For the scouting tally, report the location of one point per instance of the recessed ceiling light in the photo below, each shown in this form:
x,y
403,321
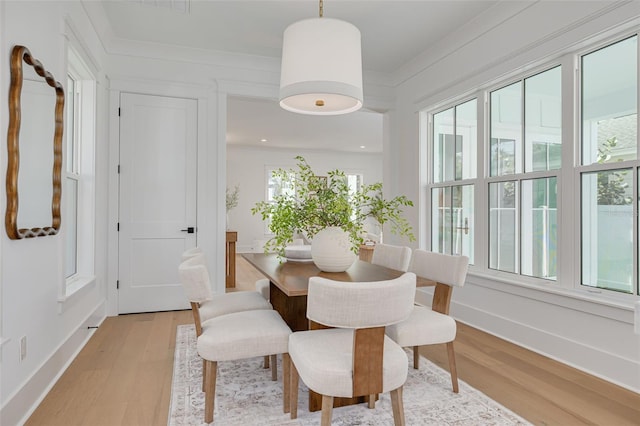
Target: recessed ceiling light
x,y
362,146
183,6
263,140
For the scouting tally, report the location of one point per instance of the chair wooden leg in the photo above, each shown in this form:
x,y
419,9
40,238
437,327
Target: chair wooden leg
x,y
452,366
416,357
293,391
286,382
266,362
274,367
327,410
210,394
204,375
372,401
397,406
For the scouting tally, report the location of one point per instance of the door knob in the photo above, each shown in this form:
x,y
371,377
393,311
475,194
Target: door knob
x,y
189,230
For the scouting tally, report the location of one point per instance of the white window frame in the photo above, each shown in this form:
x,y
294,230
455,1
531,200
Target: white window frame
x,y
568,279
268,175
520,175
448,184
83,172
581,169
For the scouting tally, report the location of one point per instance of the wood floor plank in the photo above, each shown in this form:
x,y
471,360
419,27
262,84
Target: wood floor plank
x,y
123,376
542,390
513,395
540,380
246,275
143,405
103,413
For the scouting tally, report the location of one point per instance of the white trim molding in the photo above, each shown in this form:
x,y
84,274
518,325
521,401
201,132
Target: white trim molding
x,y
589,335
25,400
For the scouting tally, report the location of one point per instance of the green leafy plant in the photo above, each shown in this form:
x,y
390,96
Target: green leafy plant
x,y
319,202
232,197
372,204
612,185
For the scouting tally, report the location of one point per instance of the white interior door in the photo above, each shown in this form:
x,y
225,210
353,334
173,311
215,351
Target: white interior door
x,y
157,217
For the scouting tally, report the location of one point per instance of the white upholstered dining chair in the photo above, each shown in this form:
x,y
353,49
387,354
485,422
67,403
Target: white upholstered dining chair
x,y
205,305
297,250
234,336
433,325
189,253
210,305
263,286
354,358
393,257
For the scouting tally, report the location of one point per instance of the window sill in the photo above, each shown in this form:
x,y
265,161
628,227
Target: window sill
x,y
601,304
74,288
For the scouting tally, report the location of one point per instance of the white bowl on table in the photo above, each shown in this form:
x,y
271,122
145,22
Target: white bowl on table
x,y
298,253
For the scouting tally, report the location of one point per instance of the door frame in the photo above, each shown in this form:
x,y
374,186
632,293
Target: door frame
x,y
211,175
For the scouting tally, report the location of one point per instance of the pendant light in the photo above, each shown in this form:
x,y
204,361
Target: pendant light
x,y
321,71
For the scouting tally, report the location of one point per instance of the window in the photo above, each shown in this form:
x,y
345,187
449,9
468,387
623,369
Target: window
x,y
71,178
454,145
527,174
525,139
79,184
609,145
277,186
452,218
354,181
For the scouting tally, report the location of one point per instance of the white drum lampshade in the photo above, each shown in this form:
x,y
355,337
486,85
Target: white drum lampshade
x,y
321,70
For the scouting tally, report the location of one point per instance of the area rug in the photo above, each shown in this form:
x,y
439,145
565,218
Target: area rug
x,y
245,395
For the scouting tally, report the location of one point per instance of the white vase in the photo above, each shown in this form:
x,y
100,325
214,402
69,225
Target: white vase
x,y
331,250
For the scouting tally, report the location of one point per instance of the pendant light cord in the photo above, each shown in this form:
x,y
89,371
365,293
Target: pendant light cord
x,y
321,11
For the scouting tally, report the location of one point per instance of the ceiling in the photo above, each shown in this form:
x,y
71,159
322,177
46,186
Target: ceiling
x,y
249,121
393,33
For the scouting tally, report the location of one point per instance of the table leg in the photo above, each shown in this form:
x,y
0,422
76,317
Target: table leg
x,y
315,401
293,310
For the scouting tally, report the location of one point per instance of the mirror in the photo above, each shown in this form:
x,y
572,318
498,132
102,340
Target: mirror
x,y
35,131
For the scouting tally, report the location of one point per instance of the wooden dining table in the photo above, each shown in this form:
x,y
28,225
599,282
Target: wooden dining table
x,y
289,283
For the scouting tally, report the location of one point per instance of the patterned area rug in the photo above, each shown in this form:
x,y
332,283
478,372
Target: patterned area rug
x,y
245,395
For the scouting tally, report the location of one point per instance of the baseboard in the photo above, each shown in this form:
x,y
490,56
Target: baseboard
x,y
594,361
244,249
25,400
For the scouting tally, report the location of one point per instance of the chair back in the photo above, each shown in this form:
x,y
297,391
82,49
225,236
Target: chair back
x,y
195,279
360,304
188,254
442,268
393,257
446,270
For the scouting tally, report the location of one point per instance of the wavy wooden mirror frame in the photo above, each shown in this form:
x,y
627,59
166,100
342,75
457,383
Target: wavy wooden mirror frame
x,y
18,54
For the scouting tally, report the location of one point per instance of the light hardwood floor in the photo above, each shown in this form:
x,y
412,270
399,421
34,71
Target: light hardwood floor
x,y
123,377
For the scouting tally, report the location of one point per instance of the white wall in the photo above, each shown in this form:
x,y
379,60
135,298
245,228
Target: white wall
x,y
32,275
589,333
246,167
33,270
597,338
209,77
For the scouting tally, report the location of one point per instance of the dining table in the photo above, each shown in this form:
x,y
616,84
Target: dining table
x,y
289,283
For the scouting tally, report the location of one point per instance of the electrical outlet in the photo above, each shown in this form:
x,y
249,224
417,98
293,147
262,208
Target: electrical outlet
x,y
23,348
